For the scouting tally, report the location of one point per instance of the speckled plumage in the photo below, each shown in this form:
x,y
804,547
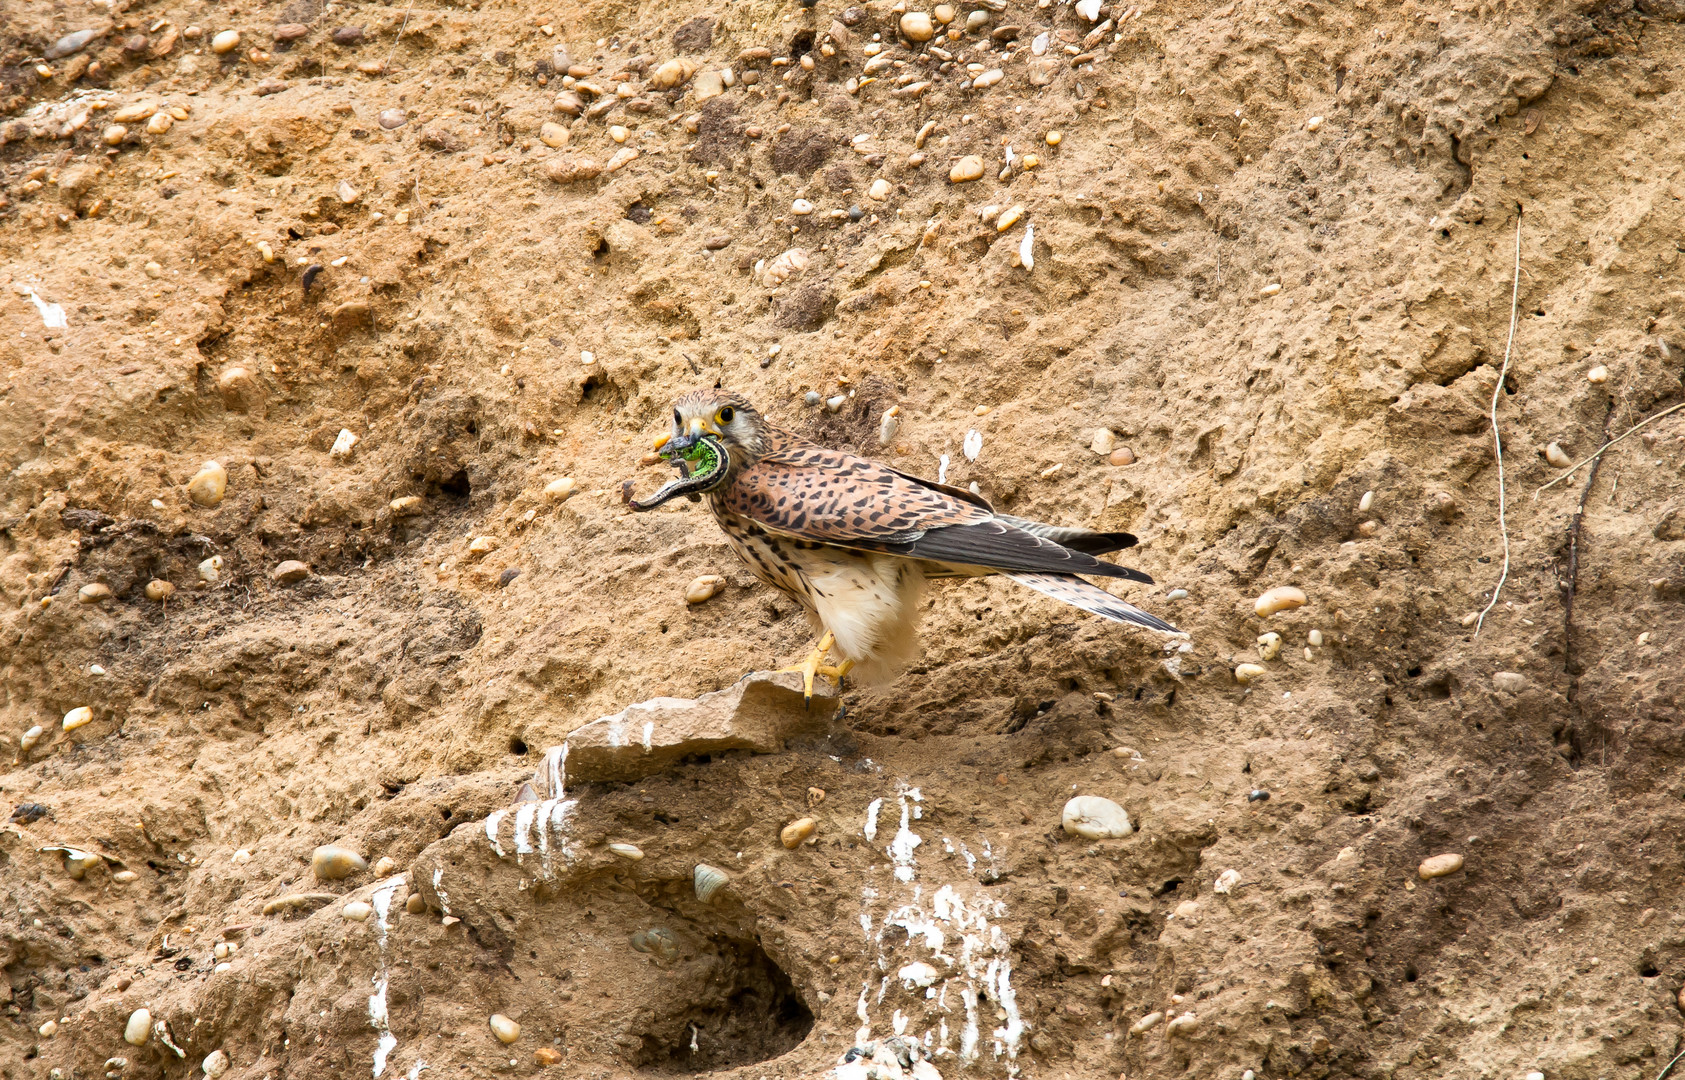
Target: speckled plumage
x,y
853,539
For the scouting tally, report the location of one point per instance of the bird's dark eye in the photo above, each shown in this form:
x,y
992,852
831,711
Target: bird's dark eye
x,y
726,415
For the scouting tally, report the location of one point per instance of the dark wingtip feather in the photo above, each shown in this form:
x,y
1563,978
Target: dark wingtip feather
x,y
1099,543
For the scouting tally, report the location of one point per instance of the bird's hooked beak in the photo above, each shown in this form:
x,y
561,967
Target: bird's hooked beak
x,y
694,430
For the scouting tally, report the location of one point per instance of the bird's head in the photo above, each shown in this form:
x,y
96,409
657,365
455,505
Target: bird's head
x,y
714,433
724,415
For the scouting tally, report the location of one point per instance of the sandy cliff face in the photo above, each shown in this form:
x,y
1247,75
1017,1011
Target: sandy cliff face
x,y
1273,255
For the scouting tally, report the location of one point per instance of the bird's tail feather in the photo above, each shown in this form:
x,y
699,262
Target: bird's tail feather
x,y
1079,593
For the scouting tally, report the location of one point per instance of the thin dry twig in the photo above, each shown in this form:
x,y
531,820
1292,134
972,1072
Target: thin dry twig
x,y
1607,445
1571,575
1497,439
402,27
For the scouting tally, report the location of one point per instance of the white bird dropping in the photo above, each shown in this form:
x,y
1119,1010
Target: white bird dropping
x,y
1026,248
973,444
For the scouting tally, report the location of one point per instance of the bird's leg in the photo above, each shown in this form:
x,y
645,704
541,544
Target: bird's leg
x,y
815,665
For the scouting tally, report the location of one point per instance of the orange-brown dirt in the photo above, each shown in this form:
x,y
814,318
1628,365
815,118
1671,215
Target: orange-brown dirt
x,y
1275,314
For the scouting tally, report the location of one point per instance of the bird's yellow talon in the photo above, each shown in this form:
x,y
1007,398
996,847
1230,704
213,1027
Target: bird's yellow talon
x,y
815,666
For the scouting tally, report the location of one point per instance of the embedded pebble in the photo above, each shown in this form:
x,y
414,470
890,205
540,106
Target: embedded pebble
x,y
1176,594
1314,638
797,831
1440,865
1598,374
506,1030
139,1027
49,1029
481,546
703,588
560,490
225,42
78,717
331,862
240,390
618,134
1104,442
801,208
1509,681
879,189
159,123
114,135
240,857
658,940
406,505
1009,219
1146,1023
128,114
1558,456
1364,504
917,26
1226,881
384,866
290,571
812,398
216,1063
71,43
567,169
1123,455
210,570
416,904
356,911
1271,289
159,590
1186,1025
553,135
988,78
391,119
1094,818
889,425
627,851
224,949
544,1057
1269,645
123,877
708,881
977,20
1280,598
966,169
1053,138
945,13
1245,673
95,593
27,741
918,974
1313,123
343,444
833,404
209,484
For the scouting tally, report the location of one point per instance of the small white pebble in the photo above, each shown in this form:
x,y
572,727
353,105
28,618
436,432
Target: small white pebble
x,y
1598,374
1314,638
1313,123
1272,288
1366,502
1176,594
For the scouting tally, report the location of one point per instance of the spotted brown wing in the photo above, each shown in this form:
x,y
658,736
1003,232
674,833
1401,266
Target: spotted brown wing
x,y
827,496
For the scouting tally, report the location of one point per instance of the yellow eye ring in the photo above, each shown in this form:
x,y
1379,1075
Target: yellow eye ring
x,y
726,415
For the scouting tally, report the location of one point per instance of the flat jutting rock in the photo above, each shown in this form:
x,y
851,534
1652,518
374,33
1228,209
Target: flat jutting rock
x,y
756,713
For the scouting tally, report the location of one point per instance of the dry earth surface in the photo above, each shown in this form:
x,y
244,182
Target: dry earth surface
x,y
1272,256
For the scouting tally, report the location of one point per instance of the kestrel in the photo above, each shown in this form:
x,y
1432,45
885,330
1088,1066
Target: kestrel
x,y
853,540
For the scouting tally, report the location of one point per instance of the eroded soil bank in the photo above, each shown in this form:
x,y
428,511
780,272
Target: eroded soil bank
x,y
1273,253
